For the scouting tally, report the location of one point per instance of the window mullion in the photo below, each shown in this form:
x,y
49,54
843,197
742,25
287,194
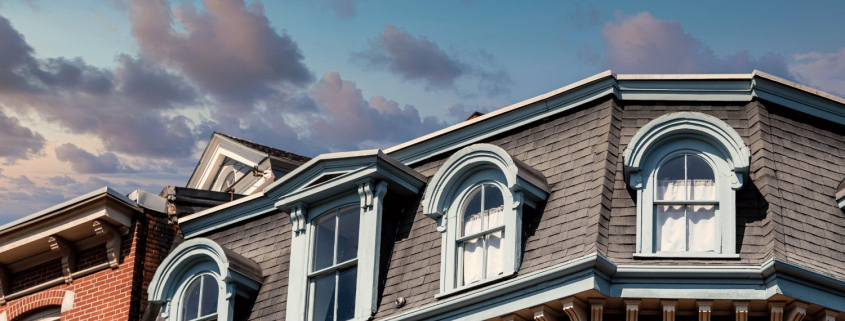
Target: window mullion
x,y
336,232
484,257
336,291
199,304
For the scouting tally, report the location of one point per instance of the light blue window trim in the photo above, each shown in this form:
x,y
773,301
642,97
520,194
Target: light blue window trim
x,y
193,274
448,190
694,134
369,198
234,274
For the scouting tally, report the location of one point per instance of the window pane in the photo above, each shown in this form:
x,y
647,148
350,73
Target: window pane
x,y
495,254
493,206
190,306
700,179
347,234
324,298
472,213
473,260
209,296
671,229
346,294
324,242
670,179
702,228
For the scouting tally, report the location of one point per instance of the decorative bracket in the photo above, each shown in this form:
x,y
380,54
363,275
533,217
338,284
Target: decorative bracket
x,y
4,284
68,256
113,243
776,310
668,309
597,309
545,313
705,310
797,311
574,308
297,216
632,310
741,308
518,199
513,317
365,190
826,315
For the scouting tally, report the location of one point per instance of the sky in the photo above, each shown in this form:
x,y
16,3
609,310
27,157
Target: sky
x,y
126,93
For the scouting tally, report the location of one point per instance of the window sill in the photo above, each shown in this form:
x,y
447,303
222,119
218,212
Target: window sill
x,y
685,255
473,286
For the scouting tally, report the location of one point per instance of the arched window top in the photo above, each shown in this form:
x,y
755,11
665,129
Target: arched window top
x,y
693,126
518,177
189,268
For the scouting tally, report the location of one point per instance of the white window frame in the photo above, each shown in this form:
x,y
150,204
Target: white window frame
x,y
369,198
686,133
193,274
448,189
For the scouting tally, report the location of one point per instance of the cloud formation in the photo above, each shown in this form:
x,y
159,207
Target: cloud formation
x,y
16,141
825,71
645,44
85,162
228,49
419,59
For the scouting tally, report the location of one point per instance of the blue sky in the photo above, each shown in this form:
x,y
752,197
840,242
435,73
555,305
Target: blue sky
x,y
126,93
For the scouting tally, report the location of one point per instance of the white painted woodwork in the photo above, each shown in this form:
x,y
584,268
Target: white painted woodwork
x,y
776,310
668,309
112,237
545,313
796,311
596,309
574,308
632,310
826,315
741,310
68,253
705,310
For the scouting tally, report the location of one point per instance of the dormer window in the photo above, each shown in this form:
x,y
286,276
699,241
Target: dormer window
x,y
686,168
477,198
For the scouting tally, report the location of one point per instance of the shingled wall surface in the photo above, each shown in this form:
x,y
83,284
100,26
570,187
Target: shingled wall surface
x,y
572,150
265,240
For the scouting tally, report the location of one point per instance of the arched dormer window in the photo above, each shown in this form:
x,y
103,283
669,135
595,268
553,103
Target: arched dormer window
x,y
200,280
477,199
686,168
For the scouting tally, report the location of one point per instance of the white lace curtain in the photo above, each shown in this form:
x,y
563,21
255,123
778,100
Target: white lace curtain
x,y
473,259
686,227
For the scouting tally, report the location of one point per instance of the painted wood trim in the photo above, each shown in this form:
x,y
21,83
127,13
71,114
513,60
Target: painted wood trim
x,y
574,308
597,308
4,284
545,313
669,309
68,254
776,310
705,310
632,310
741,310
113,241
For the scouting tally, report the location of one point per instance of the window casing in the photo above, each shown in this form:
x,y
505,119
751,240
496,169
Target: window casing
x,y
686,168
334,265
477,199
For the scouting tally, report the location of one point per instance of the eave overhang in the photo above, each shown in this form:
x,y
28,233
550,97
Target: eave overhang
x,y
681,87
594,272
304,185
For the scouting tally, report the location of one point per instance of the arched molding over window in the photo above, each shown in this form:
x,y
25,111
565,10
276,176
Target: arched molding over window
x,y
519,177
235,275
477,198
686,168
682,125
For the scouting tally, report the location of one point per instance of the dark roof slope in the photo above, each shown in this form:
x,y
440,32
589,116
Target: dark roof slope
x,y
285,155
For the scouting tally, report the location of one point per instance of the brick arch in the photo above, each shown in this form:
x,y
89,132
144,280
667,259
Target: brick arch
x,y
36,301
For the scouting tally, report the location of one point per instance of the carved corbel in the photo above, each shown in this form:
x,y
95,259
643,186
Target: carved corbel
x,y
797,311
545,313
365,190
113,241
668,309
776,310
574,308
705,310
741,308
518,200
4,284
825,315
632,310
68,253
297,216
597,309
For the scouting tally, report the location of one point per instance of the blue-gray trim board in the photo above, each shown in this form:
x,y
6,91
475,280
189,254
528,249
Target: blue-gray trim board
x,y
595,272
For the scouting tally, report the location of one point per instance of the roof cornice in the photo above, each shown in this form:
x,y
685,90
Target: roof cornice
x,y
625,87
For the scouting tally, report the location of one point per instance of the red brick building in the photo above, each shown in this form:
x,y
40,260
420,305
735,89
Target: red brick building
x,y
90,258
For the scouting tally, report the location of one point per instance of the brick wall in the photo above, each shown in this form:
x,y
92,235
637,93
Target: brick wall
x,y
110,294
